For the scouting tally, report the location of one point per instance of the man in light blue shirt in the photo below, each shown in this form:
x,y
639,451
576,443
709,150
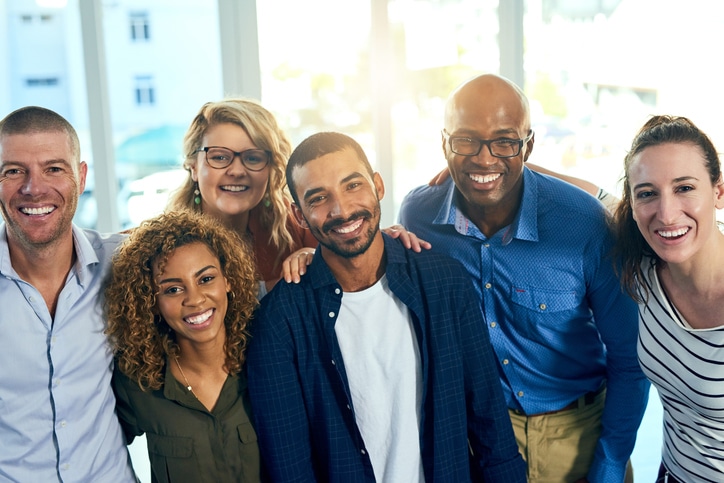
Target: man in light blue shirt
x,y
538,251
57,409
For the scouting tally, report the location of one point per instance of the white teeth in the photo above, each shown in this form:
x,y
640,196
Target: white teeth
x,y
350,228
234,188
674,233
484,178
37,211
199,319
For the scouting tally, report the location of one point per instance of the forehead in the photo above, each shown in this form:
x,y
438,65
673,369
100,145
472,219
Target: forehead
x,y
669,160
488,110
36,147
328,170
192,256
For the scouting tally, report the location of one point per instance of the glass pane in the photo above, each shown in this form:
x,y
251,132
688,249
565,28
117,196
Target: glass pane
x,y
158,77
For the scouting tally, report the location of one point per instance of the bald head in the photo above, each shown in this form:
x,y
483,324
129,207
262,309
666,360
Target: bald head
x,y
488,96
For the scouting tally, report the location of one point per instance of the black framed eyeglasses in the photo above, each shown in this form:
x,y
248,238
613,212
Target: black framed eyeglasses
x,y
499,148
218,157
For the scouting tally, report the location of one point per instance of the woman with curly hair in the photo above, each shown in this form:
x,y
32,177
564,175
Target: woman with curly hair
x,y
179,298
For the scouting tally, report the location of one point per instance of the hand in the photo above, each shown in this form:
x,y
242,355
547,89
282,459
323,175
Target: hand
x,y
295,265
409,240
440,177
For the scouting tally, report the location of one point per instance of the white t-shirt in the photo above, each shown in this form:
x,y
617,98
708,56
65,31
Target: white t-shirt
x,y
382,361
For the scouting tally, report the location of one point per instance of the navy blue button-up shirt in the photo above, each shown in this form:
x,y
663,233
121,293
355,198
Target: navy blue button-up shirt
x,y
300,395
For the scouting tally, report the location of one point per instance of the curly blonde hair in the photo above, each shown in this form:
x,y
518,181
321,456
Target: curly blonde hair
x,y
142,341
265,133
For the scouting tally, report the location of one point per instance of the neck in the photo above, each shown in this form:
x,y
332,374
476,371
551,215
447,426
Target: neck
x,y
238,223
490,219
360,272
702,273
45,268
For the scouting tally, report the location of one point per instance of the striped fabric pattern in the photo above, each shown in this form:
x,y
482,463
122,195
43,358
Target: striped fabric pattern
x,y
687,367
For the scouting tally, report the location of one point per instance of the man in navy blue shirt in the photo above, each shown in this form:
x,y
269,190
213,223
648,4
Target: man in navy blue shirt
x,y
537,250
377,365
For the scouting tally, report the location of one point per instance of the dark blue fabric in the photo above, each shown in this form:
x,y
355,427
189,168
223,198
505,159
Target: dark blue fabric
x,y
300,396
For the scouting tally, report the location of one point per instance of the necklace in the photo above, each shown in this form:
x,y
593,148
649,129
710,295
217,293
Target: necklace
x,y
188,386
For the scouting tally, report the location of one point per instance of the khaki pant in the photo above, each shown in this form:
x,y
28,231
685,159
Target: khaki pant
x,y
559,447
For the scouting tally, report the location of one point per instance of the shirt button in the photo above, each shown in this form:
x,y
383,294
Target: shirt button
x,y
63,424
336,290
487,245
31,299
363,452
334,363
493,325
488,285
542,306
505,362
349,407
331,314
520,393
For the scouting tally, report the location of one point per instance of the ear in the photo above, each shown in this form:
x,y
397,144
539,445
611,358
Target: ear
x,y
194,174
719,194
228,285
444,144
82,173
529,147
379,185
299,216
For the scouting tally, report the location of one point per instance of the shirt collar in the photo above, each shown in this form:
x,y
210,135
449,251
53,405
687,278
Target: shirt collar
x,y
86,255
320,275
523,227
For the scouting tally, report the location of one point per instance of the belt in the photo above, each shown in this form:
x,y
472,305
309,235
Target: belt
x,y
585,400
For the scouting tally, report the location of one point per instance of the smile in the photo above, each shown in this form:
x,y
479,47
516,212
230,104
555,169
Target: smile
x,y
349,228
673,233
484,178
234,188
37,211
199,319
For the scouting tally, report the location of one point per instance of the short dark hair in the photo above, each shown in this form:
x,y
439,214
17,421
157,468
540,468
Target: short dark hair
x,y
318,145
34,119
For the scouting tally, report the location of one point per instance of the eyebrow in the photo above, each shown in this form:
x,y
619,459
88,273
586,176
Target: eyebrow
x,y
312,191
675,180
48,162
172,280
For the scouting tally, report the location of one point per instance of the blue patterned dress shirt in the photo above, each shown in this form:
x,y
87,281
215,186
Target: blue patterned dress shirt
x,y
559,323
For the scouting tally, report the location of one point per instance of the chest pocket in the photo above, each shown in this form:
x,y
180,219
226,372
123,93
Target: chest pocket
x,y
536,310
172,458
246,432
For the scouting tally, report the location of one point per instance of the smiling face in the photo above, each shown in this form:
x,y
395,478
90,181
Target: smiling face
x,y
230,192
674,203
192,294
339,201
40,183
488,108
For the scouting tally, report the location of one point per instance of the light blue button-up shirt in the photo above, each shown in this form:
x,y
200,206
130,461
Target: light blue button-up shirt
x,y
57,409
558,321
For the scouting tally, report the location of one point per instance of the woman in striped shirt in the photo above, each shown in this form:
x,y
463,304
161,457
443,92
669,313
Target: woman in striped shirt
x,y
672,262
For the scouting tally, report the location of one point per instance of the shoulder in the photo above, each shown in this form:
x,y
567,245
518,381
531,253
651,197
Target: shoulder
x,y
91,243
424,202
428,268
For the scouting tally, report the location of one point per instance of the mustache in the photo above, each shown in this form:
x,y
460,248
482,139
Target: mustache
x,y
337,222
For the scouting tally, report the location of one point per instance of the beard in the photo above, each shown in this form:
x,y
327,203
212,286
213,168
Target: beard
x,y
354,247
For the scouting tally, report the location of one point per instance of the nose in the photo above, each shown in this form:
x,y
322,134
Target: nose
x,y
339,208
236,168
33,184
668,208
194,296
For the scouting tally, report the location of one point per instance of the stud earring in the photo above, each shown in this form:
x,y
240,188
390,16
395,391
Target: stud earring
x,y
197,195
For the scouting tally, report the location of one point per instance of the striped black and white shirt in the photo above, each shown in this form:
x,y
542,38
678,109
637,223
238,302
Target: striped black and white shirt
x,y
687,367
